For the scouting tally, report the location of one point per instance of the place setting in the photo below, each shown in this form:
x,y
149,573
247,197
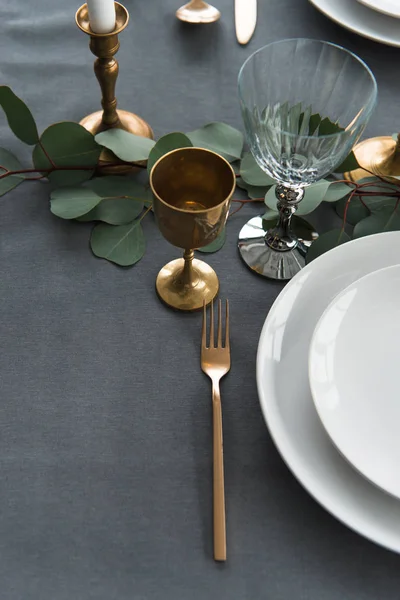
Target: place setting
x,y
205,300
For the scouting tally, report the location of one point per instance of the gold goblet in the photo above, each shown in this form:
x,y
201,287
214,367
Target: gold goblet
x,y
192,189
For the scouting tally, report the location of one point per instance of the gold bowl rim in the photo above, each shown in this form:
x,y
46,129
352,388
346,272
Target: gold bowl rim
x,y
184,210
121,16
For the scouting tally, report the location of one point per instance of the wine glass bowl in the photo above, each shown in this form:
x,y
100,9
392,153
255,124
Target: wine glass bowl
x,y
192,189
304,103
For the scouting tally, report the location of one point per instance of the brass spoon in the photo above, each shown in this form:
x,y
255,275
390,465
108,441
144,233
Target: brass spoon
x,y
198,11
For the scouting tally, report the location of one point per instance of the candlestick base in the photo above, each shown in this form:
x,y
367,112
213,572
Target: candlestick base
x,y
129,122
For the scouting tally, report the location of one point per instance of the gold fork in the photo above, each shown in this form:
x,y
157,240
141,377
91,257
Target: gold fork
x,y
216,362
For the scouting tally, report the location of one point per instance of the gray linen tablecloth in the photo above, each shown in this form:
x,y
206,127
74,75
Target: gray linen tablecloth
x,y
105,416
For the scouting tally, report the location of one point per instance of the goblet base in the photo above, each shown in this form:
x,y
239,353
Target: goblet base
x,y
184,296
264,260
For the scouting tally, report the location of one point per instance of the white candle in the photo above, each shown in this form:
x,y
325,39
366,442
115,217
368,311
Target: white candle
x,y
101,15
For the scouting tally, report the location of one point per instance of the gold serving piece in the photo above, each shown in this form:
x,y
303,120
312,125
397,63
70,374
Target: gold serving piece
x,y
380,155
198,11
192,189
216,362
105,46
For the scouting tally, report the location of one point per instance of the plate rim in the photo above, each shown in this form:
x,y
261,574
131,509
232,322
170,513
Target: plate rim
x,y
332,14
278,433
321,413
377,8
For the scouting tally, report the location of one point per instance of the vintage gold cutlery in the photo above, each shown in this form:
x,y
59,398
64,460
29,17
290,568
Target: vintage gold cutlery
x,y
216,362
198,11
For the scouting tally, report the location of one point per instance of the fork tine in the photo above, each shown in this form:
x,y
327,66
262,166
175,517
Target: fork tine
x,y
219,342
212,324
227,325
204,327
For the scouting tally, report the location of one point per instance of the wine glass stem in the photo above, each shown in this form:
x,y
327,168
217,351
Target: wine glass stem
x,y
281,237
187,276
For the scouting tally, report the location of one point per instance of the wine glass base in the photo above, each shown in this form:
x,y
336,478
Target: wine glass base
x,y
187,297
280,265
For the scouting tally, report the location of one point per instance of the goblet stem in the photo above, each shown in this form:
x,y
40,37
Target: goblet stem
x,y
187,276
281,237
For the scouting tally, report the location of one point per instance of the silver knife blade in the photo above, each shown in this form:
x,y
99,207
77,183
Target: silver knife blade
x,y
245,19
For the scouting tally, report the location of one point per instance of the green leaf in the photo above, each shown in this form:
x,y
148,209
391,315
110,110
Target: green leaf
x,y
122,244
349,164
315,120
395,136
314,195
326,242
115,211
219,137
165,144
69,145
70,203
216,244
270,215
10,163
356,211
328,127
19,116
251,173
115,186
384,220
125,145
335,191
253,191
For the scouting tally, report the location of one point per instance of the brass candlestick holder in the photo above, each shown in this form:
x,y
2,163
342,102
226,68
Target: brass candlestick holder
x,y
380,155
105,46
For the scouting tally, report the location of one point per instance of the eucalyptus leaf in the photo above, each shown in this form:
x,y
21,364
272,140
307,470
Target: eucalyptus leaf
x,y
219,137
313,197
395,136
69,145
19,116
251,173
336,191
125,145
165,144
122,244
270,215
253,191
9,162
115,211
70,203
349,164
216,244
383,220
117,186
326,242
356,211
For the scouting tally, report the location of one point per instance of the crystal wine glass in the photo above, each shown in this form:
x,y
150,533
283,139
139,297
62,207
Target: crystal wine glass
x,y
304,104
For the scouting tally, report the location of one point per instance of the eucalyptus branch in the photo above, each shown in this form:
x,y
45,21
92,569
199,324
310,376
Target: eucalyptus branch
x,y
49,170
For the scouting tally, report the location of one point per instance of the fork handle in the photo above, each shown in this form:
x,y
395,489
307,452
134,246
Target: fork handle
x,y
218,477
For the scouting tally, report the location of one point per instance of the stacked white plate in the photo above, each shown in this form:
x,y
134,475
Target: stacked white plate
x,y
327,382
374,19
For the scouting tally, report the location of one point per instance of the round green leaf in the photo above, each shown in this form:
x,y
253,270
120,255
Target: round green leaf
x,y
69,145
165,144
122,244
335,191
270,215
19,116
349,164
253,191
10,163
356,211
395,136
326,242
383,220
117,186
70,203
115,211
251,172
219,137
216,244
125,145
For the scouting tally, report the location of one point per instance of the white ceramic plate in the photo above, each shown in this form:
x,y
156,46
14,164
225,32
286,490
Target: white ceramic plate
x,y
353,372
388,7
285,396
362,20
